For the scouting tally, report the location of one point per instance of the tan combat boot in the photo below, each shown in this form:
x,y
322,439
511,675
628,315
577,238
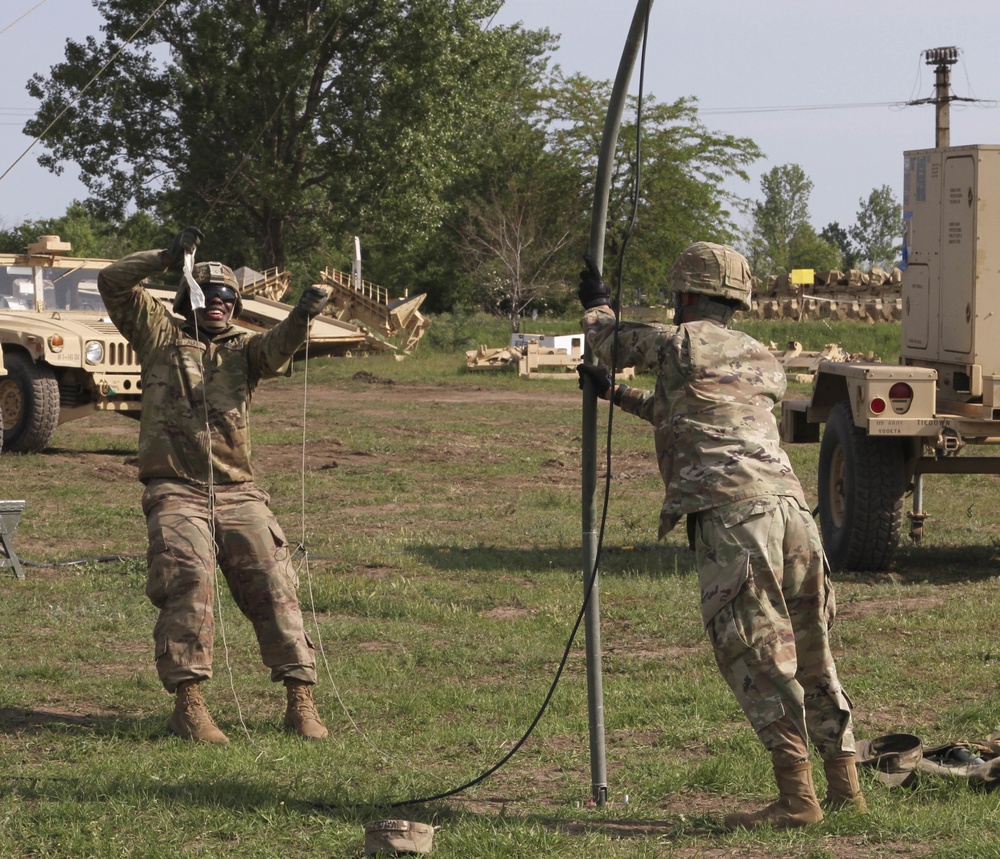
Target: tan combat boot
x,y
796,805
302,715
843,789
190,719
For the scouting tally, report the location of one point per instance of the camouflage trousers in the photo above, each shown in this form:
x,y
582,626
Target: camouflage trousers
x,y
767,605
187,537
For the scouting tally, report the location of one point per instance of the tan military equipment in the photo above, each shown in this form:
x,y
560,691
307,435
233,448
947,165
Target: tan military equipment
x,y
857,296
887,426
370,305
64,357
538,356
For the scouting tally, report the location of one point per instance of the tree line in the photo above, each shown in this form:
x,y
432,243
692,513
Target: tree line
x,y
782,238
459,152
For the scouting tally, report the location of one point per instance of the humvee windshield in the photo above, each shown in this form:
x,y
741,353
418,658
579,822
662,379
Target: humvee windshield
x,y
64,289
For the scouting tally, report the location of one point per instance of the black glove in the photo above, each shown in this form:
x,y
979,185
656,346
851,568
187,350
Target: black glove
x,y
186,240
599,377
593,290
313,300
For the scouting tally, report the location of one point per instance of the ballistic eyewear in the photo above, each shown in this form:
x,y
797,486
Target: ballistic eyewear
x,y
226,293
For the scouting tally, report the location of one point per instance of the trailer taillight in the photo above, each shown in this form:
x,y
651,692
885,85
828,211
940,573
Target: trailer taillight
x,y
901,397
876,405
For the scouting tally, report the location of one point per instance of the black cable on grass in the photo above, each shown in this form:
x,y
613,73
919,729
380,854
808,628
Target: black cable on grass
x,y
607,478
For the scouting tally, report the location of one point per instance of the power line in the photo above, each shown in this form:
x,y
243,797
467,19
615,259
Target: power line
x,y
720,111
22,17
87,86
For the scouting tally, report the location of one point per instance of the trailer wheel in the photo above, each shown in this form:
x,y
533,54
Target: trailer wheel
x,y
861,487
29,401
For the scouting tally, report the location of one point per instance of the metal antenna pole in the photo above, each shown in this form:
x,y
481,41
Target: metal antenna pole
x,y
599,216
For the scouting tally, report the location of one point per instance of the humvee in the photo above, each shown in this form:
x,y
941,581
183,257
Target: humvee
x,y
63,356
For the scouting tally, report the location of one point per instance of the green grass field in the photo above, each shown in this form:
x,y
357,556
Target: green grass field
x,y
441,511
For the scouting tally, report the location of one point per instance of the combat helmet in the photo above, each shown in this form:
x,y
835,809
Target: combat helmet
x,y
204,274
717,271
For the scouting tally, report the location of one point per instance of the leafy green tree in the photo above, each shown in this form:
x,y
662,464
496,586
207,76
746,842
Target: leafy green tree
x,y
809,250
878,232
284,127
837,236
682,176
778,218
88,234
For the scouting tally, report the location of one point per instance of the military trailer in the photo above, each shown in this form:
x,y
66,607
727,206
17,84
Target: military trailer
x,y
63,356
887,426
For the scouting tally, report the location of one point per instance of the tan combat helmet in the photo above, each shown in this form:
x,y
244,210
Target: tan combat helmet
x,y
717,271
204,274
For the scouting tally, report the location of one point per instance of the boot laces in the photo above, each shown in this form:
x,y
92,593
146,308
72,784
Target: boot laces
x,y
302,703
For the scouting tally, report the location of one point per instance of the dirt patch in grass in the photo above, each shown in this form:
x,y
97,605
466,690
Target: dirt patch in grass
x,y
888,607
506,612
15,719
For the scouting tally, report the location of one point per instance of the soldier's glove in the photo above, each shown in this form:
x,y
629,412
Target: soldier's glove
x,y
593,290
184,242
313,300
599,377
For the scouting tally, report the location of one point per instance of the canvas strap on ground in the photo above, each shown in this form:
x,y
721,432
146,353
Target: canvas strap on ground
x,y
389,837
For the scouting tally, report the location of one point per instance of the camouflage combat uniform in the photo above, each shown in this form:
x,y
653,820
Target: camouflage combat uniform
x,y
194,458
765,597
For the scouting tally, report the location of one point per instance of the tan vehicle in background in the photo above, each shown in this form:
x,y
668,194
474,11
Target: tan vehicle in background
x,y
63,356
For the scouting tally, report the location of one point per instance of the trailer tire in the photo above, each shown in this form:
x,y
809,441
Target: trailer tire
x,y
862,480
29,399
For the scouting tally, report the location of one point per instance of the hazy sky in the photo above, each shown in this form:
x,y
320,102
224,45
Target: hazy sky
x,y
853,62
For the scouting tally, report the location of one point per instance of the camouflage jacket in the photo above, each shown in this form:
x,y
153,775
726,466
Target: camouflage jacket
x,y
195,393
715,434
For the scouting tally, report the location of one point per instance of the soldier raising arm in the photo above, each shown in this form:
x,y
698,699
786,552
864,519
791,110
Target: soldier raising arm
x,y
201,504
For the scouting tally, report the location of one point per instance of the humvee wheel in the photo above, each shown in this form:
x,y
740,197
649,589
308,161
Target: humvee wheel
x,y
861,488
29,402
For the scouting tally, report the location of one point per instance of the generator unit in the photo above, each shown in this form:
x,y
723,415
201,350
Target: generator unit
x,y
951,272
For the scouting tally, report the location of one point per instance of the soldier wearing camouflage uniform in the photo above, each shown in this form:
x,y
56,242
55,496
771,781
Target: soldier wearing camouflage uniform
x,y
201,504
766,600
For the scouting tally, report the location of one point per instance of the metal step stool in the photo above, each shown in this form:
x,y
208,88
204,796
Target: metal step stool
x,y
10,514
